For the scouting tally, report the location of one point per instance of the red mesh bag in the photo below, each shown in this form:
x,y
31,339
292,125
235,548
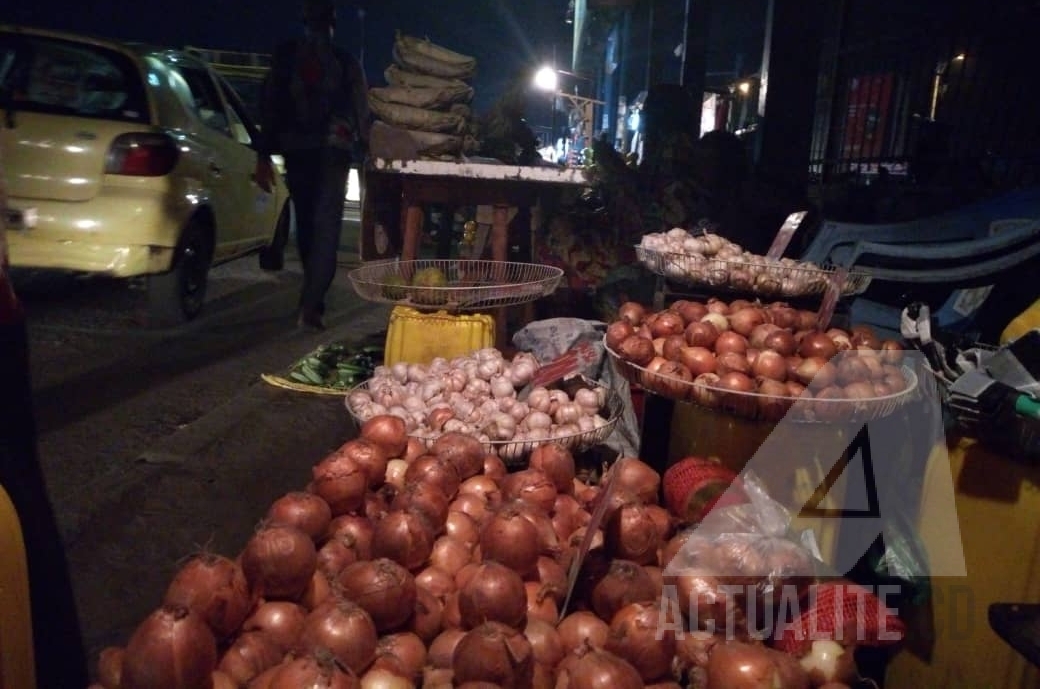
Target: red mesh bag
x,y
844,612
694,486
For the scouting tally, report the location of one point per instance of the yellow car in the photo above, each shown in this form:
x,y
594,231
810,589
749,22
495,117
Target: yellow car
x,y
129,161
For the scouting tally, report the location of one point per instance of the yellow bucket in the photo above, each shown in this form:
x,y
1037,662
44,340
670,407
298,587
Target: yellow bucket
x,y
418,338
16,645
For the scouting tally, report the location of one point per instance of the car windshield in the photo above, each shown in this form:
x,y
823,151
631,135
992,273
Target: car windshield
x,y
49,75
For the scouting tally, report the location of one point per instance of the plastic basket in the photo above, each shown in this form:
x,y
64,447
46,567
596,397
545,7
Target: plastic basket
x,y
514,454
468,284
759,407
419,338
772,280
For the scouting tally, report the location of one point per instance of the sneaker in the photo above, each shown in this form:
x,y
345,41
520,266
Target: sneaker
x,y
310,320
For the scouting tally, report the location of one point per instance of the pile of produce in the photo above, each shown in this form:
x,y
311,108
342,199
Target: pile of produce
x,y
706,258
478,395
336,365
427,96
400,566
756,359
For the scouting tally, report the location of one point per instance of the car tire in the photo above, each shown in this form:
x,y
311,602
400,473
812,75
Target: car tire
x,y
177,296
272,256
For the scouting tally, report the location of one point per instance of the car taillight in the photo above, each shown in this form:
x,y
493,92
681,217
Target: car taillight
x,y
141,154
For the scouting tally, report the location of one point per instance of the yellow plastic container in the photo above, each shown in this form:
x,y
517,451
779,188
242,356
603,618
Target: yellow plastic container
x,y
418,338
17,667
1022,323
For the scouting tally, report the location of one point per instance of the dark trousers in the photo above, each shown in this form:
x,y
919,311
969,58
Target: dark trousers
x,y
60,656
317,181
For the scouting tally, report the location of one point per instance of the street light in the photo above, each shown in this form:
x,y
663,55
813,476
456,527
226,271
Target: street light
x,y
547,79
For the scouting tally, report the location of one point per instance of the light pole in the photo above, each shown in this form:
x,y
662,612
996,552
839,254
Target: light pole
x,y
547,79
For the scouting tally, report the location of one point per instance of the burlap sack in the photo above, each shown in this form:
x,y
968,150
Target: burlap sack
x,y
417,118
395,75
421,55
419,97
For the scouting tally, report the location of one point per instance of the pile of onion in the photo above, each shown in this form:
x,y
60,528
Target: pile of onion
x,y
448,571
756,359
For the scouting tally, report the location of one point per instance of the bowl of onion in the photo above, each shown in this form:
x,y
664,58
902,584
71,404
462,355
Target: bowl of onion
x,y
814,394
478,394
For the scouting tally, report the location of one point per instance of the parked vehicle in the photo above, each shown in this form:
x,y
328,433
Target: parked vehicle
x,y
129,161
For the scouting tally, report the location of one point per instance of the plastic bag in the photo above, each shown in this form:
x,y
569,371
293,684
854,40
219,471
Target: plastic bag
x,y
550,339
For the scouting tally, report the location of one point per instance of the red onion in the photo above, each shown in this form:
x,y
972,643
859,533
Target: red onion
x,y
441,473
739,665
546,644
632,312
637,477
640,634
495,593
383,588
495,653
425,499
511,539
533,486
344,629
313,670
172,648
280,621
251,654
558,464
404,537
341,481
306,511
428,619
632,533
387,431
623,583
279,561
588,667
215,588
462,450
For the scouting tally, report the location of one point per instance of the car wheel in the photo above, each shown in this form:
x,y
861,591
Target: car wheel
x,y
272,256
178,295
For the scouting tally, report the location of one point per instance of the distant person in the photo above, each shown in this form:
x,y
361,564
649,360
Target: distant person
x,y
314,112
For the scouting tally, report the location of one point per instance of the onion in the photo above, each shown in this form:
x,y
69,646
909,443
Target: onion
x,y
395,470
343,628
278,562
250,654
427,619
512,540
730,362
632,313
313,670
635,348
746,320
541,602
589,667
697,359
632,533
404,537
771,365
829,661
388,432
817,344
383,588
462,527
472,506
667,323
215,588
701,333
171,648
494,467
739,665
337,553
341,481
371,457
221,680
110,667
533,486
377,502
618,331
358,528
557,462
581,628
441,473
494,653
640,634
424,499
546,644
306,511
279,621
450,554
892,352
437,581
493,593
816,372
383,678
442,648
636,477
624,583
462,450
552,575
718,320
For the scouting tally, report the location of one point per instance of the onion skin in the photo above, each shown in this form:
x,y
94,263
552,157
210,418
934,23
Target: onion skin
x,y
280,621
345,630
306,511
385,589
341,481
442,648
317,671
405,538
110,667
638,477
495,593
557,462
250,654
739,665
464,451
389,432
494,653
638,636
173,648
279,561
632,312
372,459
592,668
618,331
625,582
215,588
512,540
581,628
632,533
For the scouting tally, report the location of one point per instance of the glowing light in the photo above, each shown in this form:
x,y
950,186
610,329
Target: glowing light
x,y
960,57
744,87
546,79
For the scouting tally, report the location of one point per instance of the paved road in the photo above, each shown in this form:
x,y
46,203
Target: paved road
x,y
156,444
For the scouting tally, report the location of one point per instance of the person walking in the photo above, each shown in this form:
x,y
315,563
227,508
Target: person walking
x,y
314,113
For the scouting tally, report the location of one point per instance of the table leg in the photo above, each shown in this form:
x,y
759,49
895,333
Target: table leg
x,y
413,217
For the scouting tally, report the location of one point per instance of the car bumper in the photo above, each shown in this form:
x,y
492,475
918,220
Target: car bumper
x,y
119,234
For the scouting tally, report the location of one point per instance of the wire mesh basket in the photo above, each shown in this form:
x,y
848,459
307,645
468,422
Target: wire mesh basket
x,y
769,279
759,407
454,285
514,453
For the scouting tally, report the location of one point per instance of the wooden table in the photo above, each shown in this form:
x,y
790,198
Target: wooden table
x,y
412,184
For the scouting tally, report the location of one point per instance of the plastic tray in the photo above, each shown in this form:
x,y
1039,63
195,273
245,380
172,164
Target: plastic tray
x,y
514,453
759,407
470,284
770,281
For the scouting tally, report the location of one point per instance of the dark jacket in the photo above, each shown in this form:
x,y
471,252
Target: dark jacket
x,y
280,128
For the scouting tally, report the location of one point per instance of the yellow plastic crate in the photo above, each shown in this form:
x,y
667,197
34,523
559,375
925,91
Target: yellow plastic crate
x,y
16,641
418,338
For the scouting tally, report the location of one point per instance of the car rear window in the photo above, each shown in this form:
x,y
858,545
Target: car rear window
x,y
41,74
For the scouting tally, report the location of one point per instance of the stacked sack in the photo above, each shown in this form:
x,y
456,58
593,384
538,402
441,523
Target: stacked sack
x,y
426,99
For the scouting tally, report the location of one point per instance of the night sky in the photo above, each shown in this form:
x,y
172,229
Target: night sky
x,y
506,36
